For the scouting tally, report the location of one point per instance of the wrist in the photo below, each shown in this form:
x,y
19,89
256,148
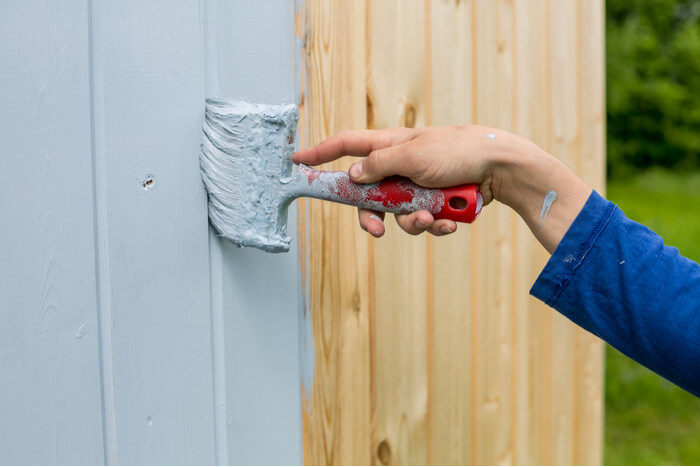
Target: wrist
x,y
518,167
539,187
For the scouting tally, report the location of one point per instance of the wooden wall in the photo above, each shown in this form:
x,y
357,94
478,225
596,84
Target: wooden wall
x,y
425,350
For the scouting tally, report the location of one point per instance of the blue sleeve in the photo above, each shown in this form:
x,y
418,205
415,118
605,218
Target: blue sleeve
x,y
617,279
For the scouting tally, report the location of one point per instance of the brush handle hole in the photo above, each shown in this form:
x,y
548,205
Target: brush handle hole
x,y
457,203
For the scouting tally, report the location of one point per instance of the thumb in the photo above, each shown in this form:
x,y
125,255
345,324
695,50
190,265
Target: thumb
x,y
380,164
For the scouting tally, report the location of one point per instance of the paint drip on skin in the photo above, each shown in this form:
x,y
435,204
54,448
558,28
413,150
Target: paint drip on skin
x,y
246,156
549,199
491,136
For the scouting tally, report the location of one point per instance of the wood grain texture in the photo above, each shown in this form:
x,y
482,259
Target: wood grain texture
x,y
336,255
397,51
50,398
453,257
590,351
465,367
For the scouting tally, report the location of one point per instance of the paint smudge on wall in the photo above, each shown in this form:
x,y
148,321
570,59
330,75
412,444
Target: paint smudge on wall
x,y
549,199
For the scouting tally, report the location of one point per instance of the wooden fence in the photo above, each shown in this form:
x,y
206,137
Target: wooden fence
x,y
430,350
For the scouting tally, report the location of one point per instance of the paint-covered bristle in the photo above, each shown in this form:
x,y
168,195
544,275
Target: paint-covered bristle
x,y
246,152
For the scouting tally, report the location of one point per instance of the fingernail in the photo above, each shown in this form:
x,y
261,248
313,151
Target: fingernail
x,y
376,217
419,224
446,229
356,170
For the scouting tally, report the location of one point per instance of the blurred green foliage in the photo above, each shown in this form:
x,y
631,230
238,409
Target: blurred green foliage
x,y
653,84
649,421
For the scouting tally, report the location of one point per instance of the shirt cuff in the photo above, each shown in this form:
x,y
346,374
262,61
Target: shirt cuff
x,y
573,248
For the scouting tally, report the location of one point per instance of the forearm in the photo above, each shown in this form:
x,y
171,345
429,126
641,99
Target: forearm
x,y
616,278
539,187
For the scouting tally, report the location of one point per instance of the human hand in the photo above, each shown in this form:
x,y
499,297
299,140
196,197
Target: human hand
x,y
432,157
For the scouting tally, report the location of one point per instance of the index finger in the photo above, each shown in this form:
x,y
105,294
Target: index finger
x,y
358,143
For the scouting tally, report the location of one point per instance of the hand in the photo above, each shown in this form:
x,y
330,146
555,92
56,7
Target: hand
x,y
433,157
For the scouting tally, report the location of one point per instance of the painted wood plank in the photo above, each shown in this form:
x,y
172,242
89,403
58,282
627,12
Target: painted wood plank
x,y
148,84
50,398
337,253
250,51
454,348
401,393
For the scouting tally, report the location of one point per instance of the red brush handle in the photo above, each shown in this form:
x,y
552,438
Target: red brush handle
x,y
395,194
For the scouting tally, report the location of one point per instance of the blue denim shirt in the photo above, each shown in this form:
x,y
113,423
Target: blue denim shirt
x,y
617,279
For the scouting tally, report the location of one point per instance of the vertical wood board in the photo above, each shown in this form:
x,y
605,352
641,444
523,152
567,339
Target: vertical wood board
x,y
148,84
250,50
335,257
50,401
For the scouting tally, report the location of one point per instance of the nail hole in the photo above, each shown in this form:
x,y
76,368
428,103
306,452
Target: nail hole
x,y
459,204
148,182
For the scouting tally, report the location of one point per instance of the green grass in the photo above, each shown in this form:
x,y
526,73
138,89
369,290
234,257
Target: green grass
x,y
649,421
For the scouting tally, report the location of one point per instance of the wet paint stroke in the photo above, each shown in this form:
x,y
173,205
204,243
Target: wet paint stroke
x,y
549,199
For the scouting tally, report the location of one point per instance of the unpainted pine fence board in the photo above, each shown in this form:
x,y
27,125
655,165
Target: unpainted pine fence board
x,y
493,375
336,254
397,83
148,84
452,256
531,317
50,400
590,351
564,145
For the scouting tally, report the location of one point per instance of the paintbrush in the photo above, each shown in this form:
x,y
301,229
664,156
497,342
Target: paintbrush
x,y
247,169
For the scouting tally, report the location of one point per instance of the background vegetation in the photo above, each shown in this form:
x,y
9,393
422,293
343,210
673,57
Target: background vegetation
x,y
653,66
653,101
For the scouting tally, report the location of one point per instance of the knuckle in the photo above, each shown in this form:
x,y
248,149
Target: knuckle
x,y
373,163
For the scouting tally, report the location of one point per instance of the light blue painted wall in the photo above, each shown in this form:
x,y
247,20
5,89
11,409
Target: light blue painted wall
x,y
129,333
250,56
50,398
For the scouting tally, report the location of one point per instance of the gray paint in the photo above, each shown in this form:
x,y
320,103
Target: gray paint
x,y
50,398
148,86
129,333
549,199
250,56
246,163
